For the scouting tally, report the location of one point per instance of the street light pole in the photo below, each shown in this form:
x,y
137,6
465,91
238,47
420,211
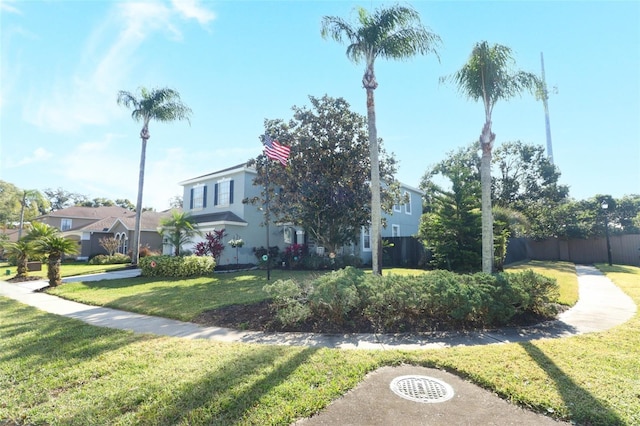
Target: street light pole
x,y
605,206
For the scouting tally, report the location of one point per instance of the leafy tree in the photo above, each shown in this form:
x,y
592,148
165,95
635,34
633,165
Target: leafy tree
x,y
527,182
158,104
324,189
487,76
55,247
125,204
451,227
60,198
175,202
395,33
31,199
9,203
97,202
179,229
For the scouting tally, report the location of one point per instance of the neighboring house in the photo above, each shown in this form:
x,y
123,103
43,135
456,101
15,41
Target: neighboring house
x,y
403,221
215,201
88,225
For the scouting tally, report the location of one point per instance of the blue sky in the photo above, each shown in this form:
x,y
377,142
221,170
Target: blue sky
x,y
237,63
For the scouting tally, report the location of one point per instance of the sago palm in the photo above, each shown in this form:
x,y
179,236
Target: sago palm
x,y
394,33
20,250
157,104
488,77
55,247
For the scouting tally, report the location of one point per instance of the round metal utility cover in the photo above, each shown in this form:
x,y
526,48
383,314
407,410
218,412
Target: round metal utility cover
x,y
421,389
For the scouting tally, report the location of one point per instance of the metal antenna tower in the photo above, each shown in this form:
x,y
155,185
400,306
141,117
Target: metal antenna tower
x,y
545,99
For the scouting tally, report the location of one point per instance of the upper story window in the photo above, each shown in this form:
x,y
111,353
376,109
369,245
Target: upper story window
x,y
198,197
223,193
396,207
65,224
407,206
395,230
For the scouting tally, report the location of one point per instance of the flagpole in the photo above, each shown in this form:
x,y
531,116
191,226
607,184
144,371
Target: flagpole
x,y
267,219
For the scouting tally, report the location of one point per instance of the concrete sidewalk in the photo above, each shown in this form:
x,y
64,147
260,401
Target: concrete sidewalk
x,y
373,402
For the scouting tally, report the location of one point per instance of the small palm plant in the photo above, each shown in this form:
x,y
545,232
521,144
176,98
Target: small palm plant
x,y
20,251
55,247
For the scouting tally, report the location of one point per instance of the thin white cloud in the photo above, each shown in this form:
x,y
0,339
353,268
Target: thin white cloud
x,y
109,57
38,156
191,9
6,6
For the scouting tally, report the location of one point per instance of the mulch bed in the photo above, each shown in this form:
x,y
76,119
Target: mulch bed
x,y
261,317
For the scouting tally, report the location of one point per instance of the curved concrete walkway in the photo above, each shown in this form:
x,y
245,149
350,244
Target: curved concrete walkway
x,y
601,305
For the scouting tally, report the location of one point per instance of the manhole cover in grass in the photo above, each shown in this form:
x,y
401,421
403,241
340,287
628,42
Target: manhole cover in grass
x,y
421,389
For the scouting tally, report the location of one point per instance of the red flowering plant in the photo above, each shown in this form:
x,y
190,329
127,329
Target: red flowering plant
x,y
294,254
212,244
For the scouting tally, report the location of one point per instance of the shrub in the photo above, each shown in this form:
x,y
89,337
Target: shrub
x,y
391,302
335,294
105,259
289,301
176,266
273,259
146,251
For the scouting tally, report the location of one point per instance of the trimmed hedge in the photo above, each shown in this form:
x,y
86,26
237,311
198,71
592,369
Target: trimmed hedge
x,y
476,300
105,259
176,266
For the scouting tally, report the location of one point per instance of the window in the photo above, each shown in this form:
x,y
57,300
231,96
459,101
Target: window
x,y
407,206
366,239
396,207
65,225
198,197
223,193
395,230
122,243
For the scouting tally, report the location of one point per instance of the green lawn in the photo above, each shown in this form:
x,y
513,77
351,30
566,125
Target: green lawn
x,y
55,370
563,272
66,270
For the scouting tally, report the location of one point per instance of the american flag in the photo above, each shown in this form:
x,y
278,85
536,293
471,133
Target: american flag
x,y
275,151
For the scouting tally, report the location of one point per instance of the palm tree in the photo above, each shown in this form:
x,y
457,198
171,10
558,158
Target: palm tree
x,y
158,104
487,76
55,247
394,33
39,231
20,250
179,229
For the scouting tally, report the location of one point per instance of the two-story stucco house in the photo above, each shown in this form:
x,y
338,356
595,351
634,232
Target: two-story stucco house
x,y
215,202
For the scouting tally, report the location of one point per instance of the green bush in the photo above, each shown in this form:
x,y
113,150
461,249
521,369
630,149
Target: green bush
x,y
176,266
289,301
335,294
105,259
393,301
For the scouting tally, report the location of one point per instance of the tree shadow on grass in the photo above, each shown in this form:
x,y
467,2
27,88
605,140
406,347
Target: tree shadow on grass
x,y
224,394
38,339
593,411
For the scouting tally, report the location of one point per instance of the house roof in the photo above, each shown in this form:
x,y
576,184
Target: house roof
x,y
78,212
219,217
239,167
149,221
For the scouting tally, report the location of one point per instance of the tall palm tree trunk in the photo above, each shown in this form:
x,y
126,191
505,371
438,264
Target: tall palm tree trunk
x,y
370,84
144,136
486,143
